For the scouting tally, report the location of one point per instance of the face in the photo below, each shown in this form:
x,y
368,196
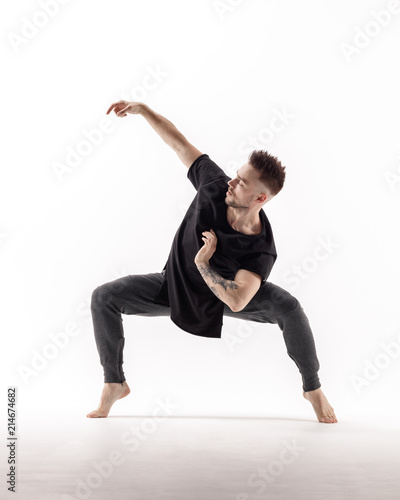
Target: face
x,y
245,188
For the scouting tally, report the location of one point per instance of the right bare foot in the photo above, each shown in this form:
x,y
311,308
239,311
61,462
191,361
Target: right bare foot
x,y
322,408
111,393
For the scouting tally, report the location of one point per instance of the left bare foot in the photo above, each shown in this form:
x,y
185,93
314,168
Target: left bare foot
x,y
322,408
111,393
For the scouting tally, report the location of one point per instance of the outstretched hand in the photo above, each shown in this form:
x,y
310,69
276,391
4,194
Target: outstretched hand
x,y
121,108
207,250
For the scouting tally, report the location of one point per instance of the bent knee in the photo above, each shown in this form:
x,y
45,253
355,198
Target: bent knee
x,y
101,296
279,301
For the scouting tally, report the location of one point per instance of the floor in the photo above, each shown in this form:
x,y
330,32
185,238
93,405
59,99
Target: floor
x,y
207,458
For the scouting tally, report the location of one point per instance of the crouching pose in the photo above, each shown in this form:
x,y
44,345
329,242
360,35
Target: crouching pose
x,y
220,259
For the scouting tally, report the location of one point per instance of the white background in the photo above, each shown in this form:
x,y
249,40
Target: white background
x,y
223,73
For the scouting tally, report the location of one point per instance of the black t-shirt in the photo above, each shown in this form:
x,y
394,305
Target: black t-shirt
x,y
194,307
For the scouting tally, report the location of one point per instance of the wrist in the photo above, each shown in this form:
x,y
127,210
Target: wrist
x,y
143,109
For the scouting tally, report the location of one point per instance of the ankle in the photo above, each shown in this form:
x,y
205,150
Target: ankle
x,y
314,391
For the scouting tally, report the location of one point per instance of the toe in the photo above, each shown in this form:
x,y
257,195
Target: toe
x,y
93,414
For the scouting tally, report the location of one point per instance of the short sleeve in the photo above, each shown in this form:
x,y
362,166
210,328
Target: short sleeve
x,y
260,263
203,171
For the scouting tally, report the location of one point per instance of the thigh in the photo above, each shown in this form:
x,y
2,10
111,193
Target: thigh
x,y
133,294
269,302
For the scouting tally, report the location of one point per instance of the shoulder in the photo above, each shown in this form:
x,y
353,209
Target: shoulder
x,y
269,236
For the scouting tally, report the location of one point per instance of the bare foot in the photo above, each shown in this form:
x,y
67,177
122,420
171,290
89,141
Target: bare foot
x,y
322,408
111,393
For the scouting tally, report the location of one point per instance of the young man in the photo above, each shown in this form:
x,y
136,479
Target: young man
x,y
219,262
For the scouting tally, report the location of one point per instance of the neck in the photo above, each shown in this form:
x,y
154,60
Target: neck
x,y
241,220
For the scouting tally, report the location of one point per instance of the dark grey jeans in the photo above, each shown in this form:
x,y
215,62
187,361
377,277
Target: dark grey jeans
x,y
134,294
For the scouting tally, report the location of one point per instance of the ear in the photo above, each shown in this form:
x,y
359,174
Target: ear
x,y
263,198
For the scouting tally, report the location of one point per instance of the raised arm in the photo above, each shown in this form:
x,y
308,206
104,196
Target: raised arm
x,y
186,152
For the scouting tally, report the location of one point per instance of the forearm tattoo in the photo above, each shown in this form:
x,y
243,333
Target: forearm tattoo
x,y
208,272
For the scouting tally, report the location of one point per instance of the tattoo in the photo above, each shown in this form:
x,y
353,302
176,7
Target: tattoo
x,y
207,271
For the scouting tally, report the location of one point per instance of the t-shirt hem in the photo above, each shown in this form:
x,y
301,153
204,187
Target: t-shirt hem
x,y
201,332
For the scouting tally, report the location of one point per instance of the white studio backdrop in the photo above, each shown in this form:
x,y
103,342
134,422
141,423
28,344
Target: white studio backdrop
x,y
87,198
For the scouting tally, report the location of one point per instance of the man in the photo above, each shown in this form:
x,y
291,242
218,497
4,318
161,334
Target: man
x,y
219,262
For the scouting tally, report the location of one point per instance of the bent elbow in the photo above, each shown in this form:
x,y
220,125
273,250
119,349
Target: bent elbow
x,y
236,307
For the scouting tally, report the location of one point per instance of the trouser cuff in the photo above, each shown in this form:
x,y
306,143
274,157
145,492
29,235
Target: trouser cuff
x,y
113,374
311,384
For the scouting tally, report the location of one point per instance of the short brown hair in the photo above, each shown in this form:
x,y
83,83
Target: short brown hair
x,y
272,174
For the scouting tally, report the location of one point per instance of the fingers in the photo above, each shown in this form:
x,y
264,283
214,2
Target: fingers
x,y
111,107
209,236
118,104
122,112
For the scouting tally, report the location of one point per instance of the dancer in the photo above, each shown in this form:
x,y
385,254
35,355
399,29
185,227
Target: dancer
x,y
220,259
